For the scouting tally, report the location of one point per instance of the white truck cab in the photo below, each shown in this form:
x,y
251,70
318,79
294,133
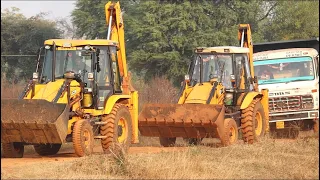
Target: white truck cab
x,y
292,77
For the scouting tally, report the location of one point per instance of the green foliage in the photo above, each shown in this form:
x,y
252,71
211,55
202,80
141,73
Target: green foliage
x,y
21,35
161,35
294,20
89,17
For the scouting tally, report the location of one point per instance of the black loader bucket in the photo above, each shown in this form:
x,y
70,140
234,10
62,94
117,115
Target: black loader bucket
x,y
33,121
181,120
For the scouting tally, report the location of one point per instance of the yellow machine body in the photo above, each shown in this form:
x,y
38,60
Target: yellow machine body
x,y
201,110
43,115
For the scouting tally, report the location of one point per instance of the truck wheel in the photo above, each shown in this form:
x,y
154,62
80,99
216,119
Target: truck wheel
x,y
193,141
118,128
293,133
82,138
316,127
231,133
167,142
47,149
13,150
253,121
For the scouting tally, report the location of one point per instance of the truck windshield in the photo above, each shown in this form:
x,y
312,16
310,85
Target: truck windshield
x,y
66,60
213,66
284,70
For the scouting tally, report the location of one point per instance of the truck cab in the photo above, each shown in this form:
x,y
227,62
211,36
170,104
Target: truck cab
x,y
292,77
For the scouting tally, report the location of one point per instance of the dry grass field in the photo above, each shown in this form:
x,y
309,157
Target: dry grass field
x,y
268,159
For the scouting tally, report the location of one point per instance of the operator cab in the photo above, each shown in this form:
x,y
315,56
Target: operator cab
x,y
92,63
224,64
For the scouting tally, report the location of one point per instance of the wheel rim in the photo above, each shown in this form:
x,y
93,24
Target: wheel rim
x,y
87,138
232,134
122,130
258,124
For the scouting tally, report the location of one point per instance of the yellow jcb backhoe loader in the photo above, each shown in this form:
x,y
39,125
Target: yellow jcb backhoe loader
x,y
82,92
219,96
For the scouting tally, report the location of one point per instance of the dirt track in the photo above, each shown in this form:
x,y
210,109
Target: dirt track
x,y
67,154
273,154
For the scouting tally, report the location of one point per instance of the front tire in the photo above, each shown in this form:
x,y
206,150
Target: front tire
x,y
82,138
13,150
253,121
231,133
47,149
118,128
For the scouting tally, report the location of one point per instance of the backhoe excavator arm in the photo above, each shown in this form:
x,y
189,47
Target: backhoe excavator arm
x,y
245,40
116,33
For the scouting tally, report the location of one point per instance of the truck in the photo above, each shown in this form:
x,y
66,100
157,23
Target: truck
x,y
290,70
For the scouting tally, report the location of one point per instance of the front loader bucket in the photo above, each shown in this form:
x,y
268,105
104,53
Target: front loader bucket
x,y
181,120
33,121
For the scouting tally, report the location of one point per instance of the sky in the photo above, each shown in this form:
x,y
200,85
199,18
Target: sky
x,y
56,9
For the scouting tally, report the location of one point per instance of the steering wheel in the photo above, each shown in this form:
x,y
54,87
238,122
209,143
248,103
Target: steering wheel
x,y
77,76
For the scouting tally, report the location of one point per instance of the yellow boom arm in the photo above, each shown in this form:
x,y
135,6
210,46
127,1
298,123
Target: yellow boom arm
x,y
245,40
116,32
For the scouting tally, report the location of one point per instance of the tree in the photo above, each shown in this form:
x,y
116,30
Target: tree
x,y
67,28
24,36
293,20
89,17
161,35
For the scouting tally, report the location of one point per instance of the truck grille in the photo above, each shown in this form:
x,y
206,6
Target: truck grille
x,y
290,103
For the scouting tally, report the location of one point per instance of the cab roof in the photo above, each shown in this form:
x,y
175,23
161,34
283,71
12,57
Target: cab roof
x,y
75,43
223,49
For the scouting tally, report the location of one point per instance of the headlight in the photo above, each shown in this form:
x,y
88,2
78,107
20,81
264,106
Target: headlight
x,y
90,76
35,75
187,77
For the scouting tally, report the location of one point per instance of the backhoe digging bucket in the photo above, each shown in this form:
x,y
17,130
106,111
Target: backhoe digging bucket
x,y
33,121
181,120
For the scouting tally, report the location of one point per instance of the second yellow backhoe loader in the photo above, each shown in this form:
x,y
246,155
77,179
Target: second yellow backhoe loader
x,y
82,92
219,96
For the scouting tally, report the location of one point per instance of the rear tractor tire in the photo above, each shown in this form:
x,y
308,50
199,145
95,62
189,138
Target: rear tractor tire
x,y
82,138
47,149
13,150
167,142
231,133
253,122
118,129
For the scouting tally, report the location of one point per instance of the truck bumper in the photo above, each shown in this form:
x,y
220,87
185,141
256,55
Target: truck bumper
x,y
302,119
294,115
